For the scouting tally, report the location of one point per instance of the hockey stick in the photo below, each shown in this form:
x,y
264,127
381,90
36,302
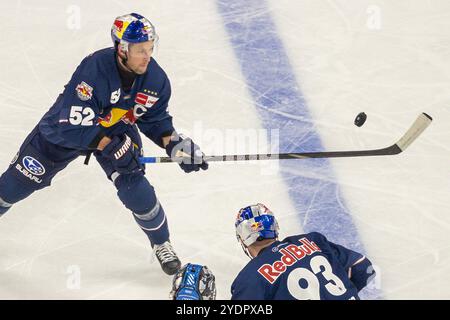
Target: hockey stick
x,y
421,123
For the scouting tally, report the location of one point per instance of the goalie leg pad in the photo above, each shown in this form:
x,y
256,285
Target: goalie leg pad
x,y
138,195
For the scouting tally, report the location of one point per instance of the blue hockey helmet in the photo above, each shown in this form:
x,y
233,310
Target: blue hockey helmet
x,y
254,223
193,282
132,28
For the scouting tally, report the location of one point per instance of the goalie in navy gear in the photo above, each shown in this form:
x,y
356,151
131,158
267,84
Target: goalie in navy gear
x,y
113,94
301,267
193,282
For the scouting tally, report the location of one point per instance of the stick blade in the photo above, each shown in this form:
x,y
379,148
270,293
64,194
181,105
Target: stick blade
x,y
421,123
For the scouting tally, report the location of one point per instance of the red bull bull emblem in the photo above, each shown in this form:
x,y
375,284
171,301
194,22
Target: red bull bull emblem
x,y
257,226
84,91
118,25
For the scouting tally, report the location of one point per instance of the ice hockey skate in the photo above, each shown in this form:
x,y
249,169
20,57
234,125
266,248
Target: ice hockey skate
x,y
167,257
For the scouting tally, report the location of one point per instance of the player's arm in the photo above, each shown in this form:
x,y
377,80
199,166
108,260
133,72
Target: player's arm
x,y
166,140
361,272
79,122
359,268
79,109
103,143
74,120
83,134
157,125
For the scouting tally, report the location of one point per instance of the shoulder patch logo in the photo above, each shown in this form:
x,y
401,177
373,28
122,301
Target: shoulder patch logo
x,y
145,100
84,91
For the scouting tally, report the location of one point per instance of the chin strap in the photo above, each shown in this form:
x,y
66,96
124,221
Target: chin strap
x,y
124,62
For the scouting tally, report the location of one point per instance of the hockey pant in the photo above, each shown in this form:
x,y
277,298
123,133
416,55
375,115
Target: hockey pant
x,y
38,161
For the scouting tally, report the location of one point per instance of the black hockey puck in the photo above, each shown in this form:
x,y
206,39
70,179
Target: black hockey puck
x,y
360,119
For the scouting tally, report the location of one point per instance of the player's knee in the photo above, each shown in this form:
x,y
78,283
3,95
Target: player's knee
x,y
139,197
4,206
13,189
137,194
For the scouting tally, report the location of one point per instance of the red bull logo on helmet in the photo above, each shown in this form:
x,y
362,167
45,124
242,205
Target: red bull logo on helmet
x,y
257,226
118,25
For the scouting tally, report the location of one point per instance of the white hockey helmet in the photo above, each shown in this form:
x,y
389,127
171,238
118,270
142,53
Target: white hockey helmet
x,y
132,28
254,223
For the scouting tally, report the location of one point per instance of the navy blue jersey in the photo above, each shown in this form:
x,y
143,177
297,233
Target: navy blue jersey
x,y
93,104
302,267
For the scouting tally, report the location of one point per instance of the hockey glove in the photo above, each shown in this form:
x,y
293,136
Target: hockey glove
x,y
186,153
123,154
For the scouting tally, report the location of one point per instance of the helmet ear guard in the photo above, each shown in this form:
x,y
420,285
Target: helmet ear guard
x,y
123,45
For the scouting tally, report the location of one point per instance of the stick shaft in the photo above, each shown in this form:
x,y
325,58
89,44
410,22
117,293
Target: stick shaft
x,y
416,129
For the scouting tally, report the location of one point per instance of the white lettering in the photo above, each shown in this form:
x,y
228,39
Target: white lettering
x,y
139,110
27,174
123,149
193,310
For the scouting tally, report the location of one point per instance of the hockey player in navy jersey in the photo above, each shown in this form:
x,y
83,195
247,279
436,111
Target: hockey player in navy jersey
x,y
112,95
301,267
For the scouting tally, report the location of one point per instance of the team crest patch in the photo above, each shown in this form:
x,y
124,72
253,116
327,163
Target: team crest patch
x,y
84,91
33,166
145,100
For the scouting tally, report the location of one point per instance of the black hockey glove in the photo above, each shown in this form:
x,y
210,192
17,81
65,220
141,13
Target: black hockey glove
x,y
186,153
123,154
